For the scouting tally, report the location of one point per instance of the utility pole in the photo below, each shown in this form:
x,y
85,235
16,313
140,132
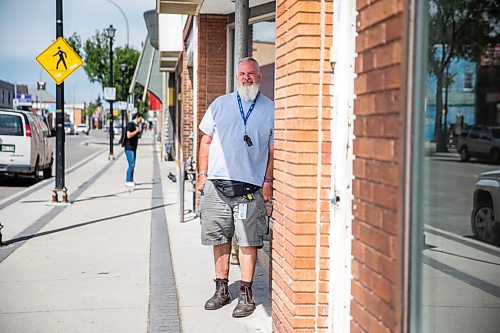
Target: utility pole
x,y
241,18
111,35
60,135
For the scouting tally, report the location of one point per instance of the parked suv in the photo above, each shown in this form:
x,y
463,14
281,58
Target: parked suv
x,y
480,141
26,144
485,219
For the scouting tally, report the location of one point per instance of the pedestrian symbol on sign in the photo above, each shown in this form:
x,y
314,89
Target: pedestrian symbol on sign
x,y
59,60
61,55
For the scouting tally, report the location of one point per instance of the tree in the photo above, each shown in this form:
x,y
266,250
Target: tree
x,y
95,53
458,29
89,112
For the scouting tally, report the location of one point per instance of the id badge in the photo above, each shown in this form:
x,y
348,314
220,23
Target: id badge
x,y
242,211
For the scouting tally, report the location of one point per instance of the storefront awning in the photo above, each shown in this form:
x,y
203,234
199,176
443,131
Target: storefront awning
x,y
170,40
148,70
188,7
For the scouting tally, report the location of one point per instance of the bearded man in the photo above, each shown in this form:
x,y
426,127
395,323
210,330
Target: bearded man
x,y
235,174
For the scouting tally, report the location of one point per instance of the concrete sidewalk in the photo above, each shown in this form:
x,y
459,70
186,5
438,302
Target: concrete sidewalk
x,y
461,284
114,260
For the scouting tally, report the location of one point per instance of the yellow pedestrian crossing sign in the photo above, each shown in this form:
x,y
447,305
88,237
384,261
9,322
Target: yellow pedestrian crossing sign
x,y
59,60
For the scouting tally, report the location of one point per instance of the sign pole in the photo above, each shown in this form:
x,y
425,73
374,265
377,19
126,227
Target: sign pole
x,y
60,138
111,116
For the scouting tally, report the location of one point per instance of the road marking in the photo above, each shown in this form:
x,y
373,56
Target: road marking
x,y
31,231
464,277
478,245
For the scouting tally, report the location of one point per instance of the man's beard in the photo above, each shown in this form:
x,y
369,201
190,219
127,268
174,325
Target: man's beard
x,y
248,93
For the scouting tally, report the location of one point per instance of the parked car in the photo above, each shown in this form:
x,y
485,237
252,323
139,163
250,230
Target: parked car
x,y
117,130
26,144
82,129
480,141
485,218
69,128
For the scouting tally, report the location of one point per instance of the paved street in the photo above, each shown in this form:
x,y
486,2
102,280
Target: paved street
x,y
460,276
449,191
75,151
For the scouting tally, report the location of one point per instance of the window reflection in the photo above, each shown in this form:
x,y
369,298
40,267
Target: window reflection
x,y
263,50
460,261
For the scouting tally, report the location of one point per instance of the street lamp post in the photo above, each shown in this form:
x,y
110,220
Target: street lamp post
x,y
123,13
111,35
123,68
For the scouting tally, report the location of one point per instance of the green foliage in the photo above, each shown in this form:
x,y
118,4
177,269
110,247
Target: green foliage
x,y
98,101
96,50
462,29
95,53
457,29
76,43
123,79
90,109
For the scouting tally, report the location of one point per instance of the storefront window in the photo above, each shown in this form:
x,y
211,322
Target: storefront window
x,y
263,50
459,211
261,47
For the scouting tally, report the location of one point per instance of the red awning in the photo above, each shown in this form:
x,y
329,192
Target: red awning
x,y
154,102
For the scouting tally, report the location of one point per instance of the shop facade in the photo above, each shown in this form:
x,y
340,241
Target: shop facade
x,y
360,196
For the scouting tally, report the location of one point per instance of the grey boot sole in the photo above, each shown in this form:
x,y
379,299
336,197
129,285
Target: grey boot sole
x,y
216,307
243,314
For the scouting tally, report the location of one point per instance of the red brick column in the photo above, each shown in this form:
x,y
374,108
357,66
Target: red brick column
x,y
301,227
211,69
211,61
376,286
211,72
186,103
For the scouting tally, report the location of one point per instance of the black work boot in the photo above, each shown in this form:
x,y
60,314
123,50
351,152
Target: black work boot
x,y
246,304
221,296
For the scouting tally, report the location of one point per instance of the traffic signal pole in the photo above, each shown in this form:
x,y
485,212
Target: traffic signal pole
x,y
60,137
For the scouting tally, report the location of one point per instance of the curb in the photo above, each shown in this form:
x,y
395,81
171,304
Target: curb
x,y
485,247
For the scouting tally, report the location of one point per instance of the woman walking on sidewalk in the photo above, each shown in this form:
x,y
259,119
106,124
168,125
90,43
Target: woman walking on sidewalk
x,y
130,142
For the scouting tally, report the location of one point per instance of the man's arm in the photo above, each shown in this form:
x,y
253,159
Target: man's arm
x,y
134,133
267,185
206,140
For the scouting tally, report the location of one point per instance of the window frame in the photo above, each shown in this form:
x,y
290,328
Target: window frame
x,y
231,81
468,81
414,97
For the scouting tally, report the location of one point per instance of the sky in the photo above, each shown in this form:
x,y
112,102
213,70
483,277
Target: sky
x,y
28,27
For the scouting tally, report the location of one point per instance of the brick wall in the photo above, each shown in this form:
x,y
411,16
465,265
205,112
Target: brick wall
x,y
301,226
376,305
211,61
186,105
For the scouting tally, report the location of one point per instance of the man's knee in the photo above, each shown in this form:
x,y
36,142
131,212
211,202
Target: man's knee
x,y
248,250
220,249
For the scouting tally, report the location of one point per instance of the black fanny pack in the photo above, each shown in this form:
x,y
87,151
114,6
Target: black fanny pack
x,y
232,188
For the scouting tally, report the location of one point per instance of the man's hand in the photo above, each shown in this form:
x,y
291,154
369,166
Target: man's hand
x,y
267,191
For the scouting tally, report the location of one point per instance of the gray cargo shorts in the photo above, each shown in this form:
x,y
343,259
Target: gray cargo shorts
x,y
220,218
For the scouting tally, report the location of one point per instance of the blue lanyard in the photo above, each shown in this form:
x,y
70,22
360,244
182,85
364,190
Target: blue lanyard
x,y
250,109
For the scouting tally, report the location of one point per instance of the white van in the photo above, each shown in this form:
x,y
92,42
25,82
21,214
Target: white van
x,y
26,144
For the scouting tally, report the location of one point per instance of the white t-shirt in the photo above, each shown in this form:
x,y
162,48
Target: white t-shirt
x,y
230,157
